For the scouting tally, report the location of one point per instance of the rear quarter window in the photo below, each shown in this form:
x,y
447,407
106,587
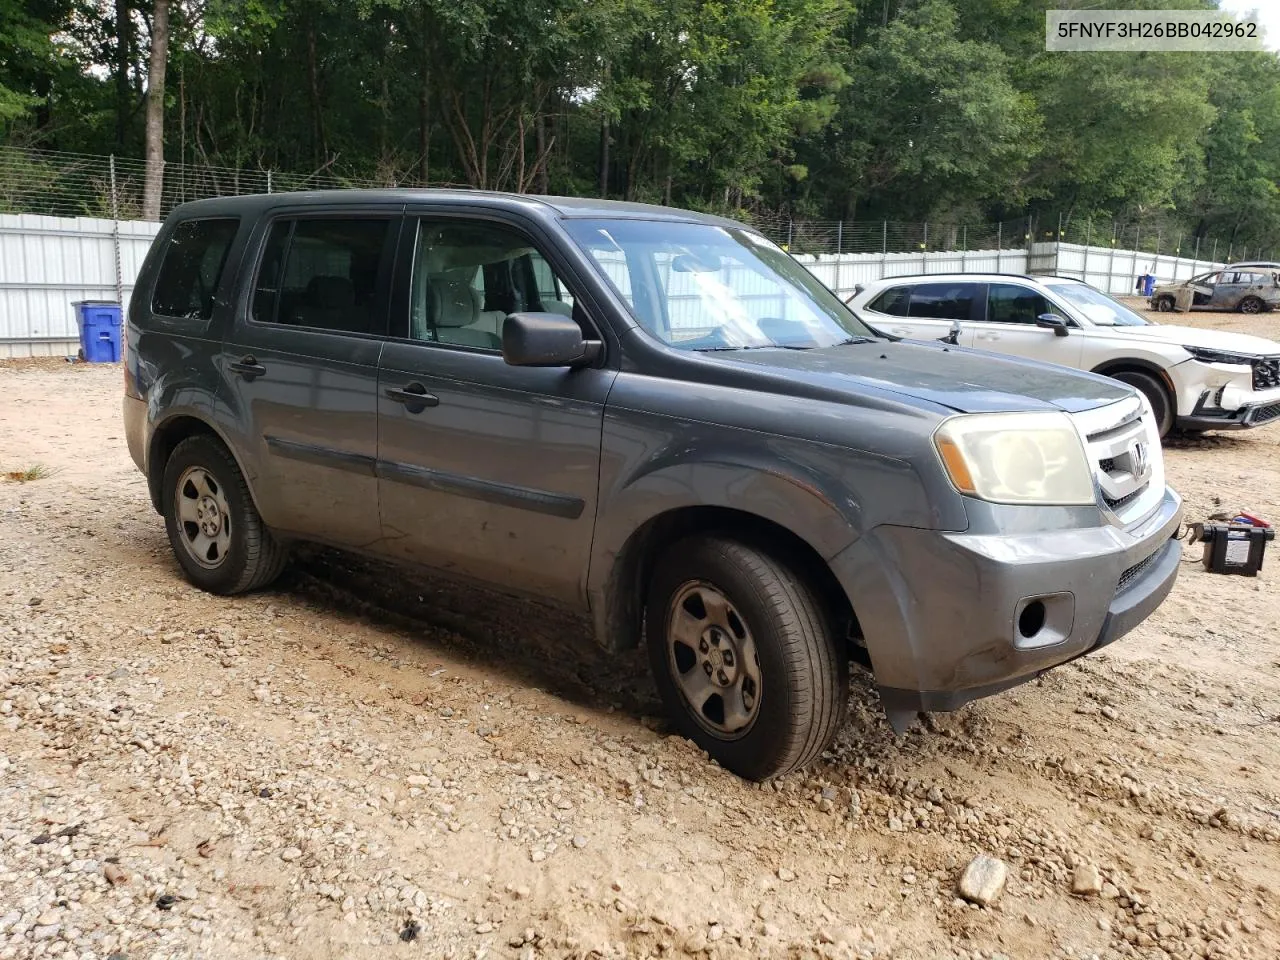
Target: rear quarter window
x,y
893,302
191,268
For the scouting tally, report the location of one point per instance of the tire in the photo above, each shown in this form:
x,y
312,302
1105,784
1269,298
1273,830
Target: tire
x,y
232,552
1252,305
801,675
1156,394
1165,304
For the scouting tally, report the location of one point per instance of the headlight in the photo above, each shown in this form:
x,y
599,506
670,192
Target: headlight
x,y
1016,458
1204,355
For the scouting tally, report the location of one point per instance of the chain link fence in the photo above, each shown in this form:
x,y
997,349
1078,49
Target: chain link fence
x,y
821,237
59,184
84,185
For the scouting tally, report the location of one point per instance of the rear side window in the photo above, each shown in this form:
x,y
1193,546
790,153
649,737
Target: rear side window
x,y
192,267
941,301
325,274
893,302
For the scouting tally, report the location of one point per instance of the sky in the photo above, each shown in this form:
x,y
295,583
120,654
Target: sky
x,y
1268,16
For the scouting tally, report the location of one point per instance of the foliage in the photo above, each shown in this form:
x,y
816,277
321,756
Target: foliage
x,y
896,109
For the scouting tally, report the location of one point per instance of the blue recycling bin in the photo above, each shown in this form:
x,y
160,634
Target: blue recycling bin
x,y
1146,284
99,322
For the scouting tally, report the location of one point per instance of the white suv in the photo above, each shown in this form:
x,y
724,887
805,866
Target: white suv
x,y
1195,379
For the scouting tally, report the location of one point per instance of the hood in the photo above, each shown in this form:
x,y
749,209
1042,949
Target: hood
x,y
968,381
1200,337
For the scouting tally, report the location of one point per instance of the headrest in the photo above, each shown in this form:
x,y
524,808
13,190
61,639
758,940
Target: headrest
x,y
457,303
325,291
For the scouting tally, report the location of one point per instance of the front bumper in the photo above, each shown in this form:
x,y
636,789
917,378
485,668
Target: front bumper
x,y
1250,415
941,613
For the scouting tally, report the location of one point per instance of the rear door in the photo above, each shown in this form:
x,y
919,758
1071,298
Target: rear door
x,y
1230,290
924,311
486,470
1008,326
300,369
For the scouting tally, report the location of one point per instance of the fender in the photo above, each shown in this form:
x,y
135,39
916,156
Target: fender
x,y
178,394
817,506
1155,365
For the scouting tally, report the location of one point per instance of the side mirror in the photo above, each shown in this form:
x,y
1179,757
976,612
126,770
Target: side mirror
x,y
546,340
1053,322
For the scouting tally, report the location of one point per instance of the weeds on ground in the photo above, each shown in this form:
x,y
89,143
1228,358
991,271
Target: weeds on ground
x,y
37,471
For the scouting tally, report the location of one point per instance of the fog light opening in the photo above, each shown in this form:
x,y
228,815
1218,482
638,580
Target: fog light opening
x,y
1031,620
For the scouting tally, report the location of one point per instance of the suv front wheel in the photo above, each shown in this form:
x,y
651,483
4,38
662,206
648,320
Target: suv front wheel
x,y
1159,398
744,658
213,526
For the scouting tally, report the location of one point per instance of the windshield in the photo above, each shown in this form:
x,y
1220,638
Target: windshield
x,y
1097,306
699,286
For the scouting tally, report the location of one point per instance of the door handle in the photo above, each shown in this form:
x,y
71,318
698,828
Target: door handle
x,y
247,367
414,396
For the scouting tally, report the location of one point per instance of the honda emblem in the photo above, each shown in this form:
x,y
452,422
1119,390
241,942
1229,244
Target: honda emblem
x,y
1141,466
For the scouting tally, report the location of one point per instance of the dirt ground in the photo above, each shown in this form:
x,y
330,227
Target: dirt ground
x,y
363,763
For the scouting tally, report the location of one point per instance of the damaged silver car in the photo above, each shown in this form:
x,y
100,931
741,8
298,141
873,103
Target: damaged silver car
x,y
1248,288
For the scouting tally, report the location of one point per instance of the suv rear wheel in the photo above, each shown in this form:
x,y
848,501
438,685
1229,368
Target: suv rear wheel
x,y
1251,305
744,658
1156,394
213,526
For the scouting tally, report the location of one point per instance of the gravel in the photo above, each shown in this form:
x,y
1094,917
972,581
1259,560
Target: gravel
x,y
301,773
983,880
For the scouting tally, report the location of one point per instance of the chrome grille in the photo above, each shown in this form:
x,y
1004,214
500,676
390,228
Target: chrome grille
x,y
1115,503
1266,373
1125,456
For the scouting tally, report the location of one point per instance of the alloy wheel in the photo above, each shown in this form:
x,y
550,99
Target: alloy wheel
x,y
204,519
713,660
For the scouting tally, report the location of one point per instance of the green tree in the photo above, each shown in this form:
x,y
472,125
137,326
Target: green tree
x,y
930,124
27,57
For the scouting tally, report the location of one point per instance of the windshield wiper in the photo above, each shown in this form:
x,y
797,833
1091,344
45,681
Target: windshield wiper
x,y
842,343
753,346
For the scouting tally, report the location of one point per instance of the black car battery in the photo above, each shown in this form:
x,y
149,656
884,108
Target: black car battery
x,y
1232,547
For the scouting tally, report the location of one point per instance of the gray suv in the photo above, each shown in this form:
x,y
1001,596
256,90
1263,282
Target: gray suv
x,y
649,416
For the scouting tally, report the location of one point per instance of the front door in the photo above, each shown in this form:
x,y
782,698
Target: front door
x,y
300,368
1008,326
1203,287
486,470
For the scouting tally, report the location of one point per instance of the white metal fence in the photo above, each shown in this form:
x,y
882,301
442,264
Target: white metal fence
x,y
48,263
1113,271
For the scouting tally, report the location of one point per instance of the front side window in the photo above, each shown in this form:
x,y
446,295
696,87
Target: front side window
x,y
1009,303
702,286
192,268
941,301
323,274
468,277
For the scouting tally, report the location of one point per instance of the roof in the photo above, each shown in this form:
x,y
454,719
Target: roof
x,y
979,277
557,207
